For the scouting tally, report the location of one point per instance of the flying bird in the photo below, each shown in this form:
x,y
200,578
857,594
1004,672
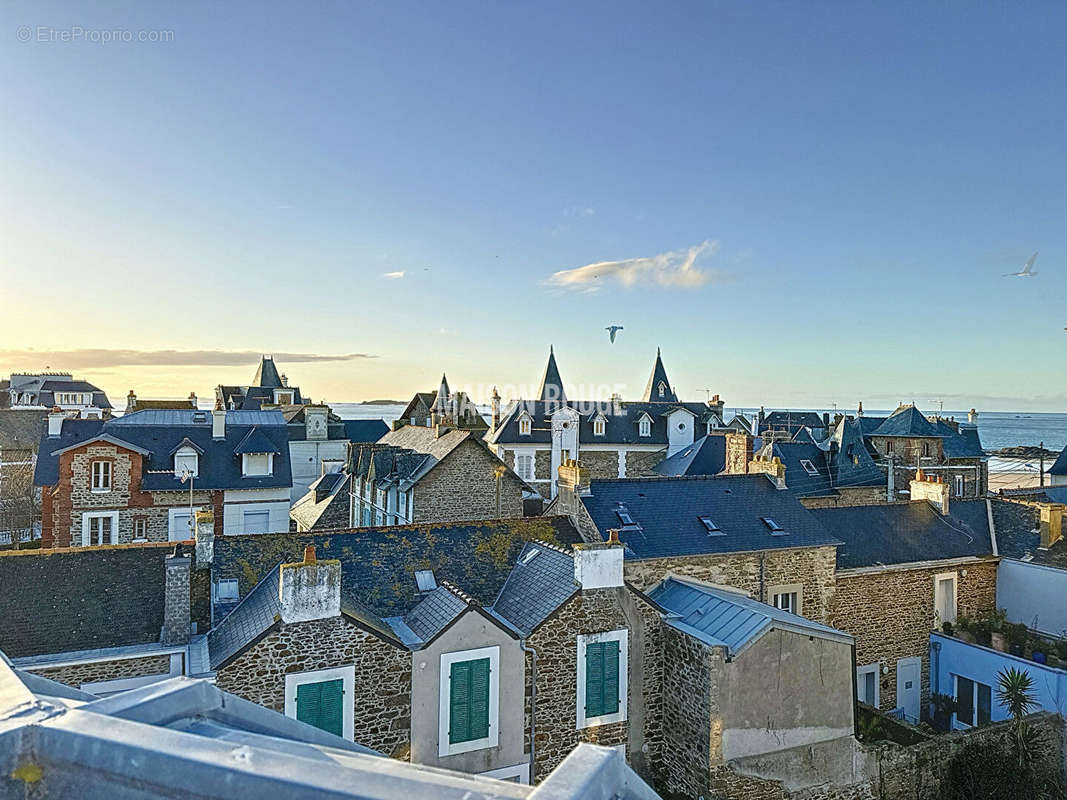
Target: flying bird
x,y
612,330
1027,270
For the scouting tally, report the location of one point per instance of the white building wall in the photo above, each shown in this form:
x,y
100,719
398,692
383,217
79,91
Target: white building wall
x,y
274,501
1032,593
306,460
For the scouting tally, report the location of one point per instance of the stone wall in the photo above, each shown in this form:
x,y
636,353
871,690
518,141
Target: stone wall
x,y
639,463
91,672
601,463
556,644
909,451
382,696
463,487
891,613
754,573
848,496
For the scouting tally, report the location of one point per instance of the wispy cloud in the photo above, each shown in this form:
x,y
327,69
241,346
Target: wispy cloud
x,y
393,276
674,269
579,211
90,359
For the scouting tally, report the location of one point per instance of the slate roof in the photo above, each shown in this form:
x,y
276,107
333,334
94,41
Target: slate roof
x,y
869,424
365,430
705,456
325,505
161,431
22,429
791,421
1060,467
840,461
728,619
963,443
668,514
904,533
256,441
540,582
81,598
1019,534
378,564
251,618
267,375
551,389
434,612
906,421
657,379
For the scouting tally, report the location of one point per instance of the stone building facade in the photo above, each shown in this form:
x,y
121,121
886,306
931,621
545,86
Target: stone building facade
x,y
81,673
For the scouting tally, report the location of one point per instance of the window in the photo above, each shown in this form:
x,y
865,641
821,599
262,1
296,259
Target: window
x,y
525,467
257,463
322,698
926,448
524,426
283,398
226,589
602,678
867,688
624,517
889,448
774,527
100,528
944,598
101,476
469,701
958,479
329,467
808,467
974,702
598,426
787,598
186,459
140,528
255,521
662,390
645,427
711,527
181,524
425,580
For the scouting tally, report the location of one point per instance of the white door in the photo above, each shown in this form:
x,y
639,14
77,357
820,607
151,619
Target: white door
x,y
908,679
867,689
256,521
945,598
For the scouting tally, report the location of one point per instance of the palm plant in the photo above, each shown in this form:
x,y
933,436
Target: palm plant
x,y
1015,691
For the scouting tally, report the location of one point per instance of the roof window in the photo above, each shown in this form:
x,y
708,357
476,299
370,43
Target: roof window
x,y
774,527
808,467
711,527
528,557
425,580
624,516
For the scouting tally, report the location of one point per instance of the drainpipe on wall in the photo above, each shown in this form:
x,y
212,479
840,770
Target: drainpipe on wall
x,y
533,704
763,577
855,697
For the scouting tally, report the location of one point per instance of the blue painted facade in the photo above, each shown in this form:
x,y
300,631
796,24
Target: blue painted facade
x,y
951,658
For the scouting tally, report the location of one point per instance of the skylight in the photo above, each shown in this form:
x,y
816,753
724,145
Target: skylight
x,y
528,557
624,516
425,580
808,467
774,527
711,527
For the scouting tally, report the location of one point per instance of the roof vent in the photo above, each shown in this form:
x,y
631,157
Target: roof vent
x,y
425,580
200,417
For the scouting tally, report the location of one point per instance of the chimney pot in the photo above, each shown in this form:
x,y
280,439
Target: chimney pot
x,y
309,554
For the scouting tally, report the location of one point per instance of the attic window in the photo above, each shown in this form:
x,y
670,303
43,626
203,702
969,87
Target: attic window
x,y
645,427
528,557
624,517
711,527
524,426
199,416
598,426
774,527
226,589
425,580
808,467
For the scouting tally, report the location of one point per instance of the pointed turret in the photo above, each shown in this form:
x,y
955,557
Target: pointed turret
x,y
267,375
440,403
659,388
551,383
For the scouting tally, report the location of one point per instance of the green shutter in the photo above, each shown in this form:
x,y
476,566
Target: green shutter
x,y
468,701
601,678
322,705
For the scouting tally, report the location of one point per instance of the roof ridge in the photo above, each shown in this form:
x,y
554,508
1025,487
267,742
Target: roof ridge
x,y
550,546
462,595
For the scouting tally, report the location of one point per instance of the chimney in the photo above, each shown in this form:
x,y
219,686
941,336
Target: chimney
x,y
773,468
205,538
1051,523
616,404
177,614
131,401
598,565
738,453
494,404
192,399
218,421
285,380
439,430
972,417
55,422
826,419
310,589
859,411
934,490
572,482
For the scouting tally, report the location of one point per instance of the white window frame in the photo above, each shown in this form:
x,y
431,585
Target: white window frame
x,y
938,621
139,521
245,512
112,515
229,582
110,471
283,397
346,674
598,426
621,636
960,485
808,466
789,588
181,457
525,425
876,668
525,464
182,510
644,427
245,462
444,747
519,771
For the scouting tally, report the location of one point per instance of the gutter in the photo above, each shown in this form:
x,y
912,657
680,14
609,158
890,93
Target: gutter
x,y
992,526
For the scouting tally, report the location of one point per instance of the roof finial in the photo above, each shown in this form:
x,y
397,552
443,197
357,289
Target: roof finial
x,y
657,352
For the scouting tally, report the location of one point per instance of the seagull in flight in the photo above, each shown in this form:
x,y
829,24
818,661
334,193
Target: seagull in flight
x,y
612,330
1027,270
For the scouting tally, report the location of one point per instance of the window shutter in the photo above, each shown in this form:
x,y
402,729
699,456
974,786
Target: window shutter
x,y
479,719
594,679
322,705
611,678
459,702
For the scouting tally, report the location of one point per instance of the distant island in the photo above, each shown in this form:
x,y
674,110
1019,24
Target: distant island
x,y
381,402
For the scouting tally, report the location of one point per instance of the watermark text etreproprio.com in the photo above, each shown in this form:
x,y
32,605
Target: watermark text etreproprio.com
x,y
47,34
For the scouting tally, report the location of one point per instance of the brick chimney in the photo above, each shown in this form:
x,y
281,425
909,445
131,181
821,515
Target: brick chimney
x,y
310,589
55,422
205,539
738,453
131,401
1051,523
218,421
599,565
177,615
934,490
572,483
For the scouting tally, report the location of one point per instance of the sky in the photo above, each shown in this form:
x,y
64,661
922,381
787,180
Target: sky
x,y
801,203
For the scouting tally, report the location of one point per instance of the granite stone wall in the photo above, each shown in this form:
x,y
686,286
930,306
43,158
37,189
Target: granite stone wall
x,y
92,672
600,463
463,487
382,694
639,463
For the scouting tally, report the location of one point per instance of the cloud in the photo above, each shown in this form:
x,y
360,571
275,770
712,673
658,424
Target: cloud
x,y
393,275
674,269
91,359
579,211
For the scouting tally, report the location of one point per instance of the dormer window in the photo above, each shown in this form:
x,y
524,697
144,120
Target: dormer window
x,y
186,459
598,426
257,464
662,390
773,527
525,424
283,397
644,427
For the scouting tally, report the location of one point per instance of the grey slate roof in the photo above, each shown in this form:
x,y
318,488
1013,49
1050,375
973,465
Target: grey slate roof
x,y
254,615
705,456
21,429
434,612
1019,534
658,387
267,375
551,389
964,443
791,421
540,582
1060,467
161,431
364,430
668,511
839,461
256,441
720,617
906,421
903,533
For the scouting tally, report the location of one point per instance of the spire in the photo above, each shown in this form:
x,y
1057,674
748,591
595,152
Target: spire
x,y
267,375
551,382
659,388
440,403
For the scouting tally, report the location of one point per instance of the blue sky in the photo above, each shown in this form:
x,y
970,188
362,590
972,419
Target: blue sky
x,y
851,179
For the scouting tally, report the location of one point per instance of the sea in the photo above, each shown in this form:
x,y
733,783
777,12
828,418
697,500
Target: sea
x,y
996,429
